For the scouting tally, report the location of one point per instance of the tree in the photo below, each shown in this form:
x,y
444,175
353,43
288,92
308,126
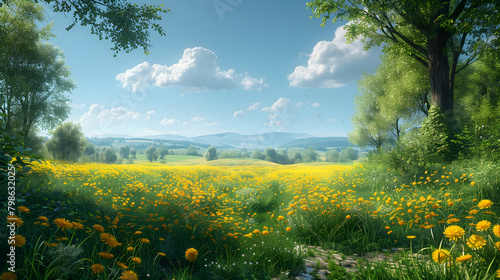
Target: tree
x,y
193,151
310,155
332,155
433,32
211,153
133,153
151,153
283,157
125,152
163,151
257,155
67,142
110,156
33,75
126,24
295,155
271,155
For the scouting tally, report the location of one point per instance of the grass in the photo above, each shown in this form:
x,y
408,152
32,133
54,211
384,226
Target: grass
x,y
250,222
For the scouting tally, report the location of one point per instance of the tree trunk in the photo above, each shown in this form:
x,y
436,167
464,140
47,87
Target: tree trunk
x,y
439,71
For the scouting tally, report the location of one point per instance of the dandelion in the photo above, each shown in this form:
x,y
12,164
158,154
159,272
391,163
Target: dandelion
x,y
191,254
136,259
97,268
98,228
496,230
43,218
483,225
19,240
476,241
498,273
288,228
77,225
464,258
145,240
485,203
17,220
348,217
8,276
121,265
497,245
452,220
106,255
265,232
411,236
440,255
129,275
130,248
161,254
23,209
109,239
454,232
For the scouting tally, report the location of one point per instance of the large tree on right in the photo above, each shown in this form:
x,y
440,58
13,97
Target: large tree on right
x,y
439,34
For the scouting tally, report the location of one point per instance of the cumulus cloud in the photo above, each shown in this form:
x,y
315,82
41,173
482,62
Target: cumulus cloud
x,y
254,106
280,104
315,104
149,114
298,104
167,121
238,114
195,71
98,120
335,63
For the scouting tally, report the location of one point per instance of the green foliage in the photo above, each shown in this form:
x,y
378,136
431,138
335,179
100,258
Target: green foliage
x,y
125,152
33,75
67,142
295,155
13,159
163,151
193,151
257,155
434,133
133,153
110,155
211,153
126,24
271,155
151,153
332,155
310,155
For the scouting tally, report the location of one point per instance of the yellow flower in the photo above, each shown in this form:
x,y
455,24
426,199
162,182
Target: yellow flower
x,y
78,225
498,273
497,245
281,218
109,239
17,220
265,232
476,241
440,255
496,230
452,220
161,254
348,217
63,223
23,209
130,248
411,236
454,232
98,228
121,265
288,228
144,240
8,276
97,268
129,275
485,203
191,254
483,225
136,259
43,218
19,240
464,258
106,255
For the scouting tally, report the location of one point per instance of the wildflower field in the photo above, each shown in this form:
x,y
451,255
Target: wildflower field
x,y
98,221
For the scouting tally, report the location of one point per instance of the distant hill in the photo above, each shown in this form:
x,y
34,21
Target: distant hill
x,y
227,141
319,143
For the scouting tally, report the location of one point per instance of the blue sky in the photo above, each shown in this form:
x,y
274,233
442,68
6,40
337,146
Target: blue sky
x,y
239,66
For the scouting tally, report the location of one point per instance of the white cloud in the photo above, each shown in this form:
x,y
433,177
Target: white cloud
x,y
280,104
254,106
315,104
335,63
149,114
198,119
195,71
212,123
298,104
166,121
77,106
332,120
238,114
98,120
